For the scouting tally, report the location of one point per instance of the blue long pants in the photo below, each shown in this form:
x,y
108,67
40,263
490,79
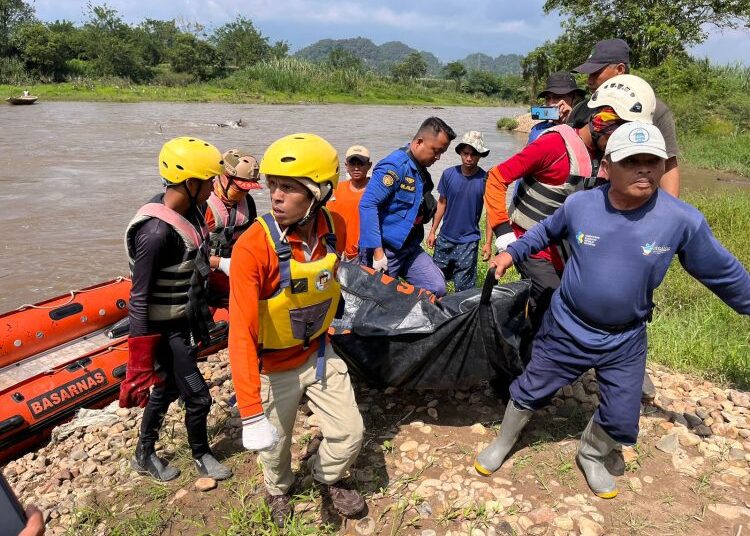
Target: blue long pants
x,y
558,360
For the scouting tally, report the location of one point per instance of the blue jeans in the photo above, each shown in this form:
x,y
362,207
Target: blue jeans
x,y
457,262
413,264
558,360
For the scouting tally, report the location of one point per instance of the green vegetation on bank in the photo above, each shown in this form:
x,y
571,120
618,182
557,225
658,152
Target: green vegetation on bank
x,y
167,60
692,330
711,107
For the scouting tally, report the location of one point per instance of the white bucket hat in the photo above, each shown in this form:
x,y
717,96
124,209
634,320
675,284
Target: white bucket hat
x,y
475,140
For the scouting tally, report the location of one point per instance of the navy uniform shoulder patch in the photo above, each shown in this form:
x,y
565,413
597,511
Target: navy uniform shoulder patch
x,y
390,178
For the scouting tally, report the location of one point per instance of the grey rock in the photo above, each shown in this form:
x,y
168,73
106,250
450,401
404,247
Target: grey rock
x,y
702,430
692,420
678,418
668,443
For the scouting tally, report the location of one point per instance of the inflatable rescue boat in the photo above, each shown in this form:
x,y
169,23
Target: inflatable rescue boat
x,y
65,353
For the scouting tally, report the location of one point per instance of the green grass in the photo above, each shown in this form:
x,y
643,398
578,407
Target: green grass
x,y
507,123
274,82
722,152
694,331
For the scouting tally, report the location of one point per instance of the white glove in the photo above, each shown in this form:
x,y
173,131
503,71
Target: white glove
x,y
503,241
259,434
224,265
380,265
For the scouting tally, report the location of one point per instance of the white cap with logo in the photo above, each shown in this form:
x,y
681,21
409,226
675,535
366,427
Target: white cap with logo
x,y
635,138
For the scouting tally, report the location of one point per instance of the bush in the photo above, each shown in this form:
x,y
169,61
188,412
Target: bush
x,y
173,79
507,123
13,72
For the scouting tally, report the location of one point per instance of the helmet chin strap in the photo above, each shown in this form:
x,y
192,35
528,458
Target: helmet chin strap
x,y
192,198
312,210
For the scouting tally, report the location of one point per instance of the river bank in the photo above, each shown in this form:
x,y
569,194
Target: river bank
x,y
378,92
727,152
689,472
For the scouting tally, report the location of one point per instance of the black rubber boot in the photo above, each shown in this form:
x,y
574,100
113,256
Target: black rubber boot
x,y
146,462
209,466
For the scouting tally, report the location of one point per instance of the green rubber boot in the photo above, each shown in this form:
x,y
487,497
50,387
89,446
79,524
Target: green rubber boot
x,y
594,447
491,458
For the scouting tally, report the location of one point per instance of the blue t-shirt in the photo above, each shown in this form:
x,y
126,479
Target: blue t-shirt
x,y
464,196
618,258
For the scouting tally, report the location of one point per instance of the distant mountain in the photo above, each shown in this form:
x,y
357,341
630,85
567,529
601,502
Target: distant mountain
x,y
503,64
379,58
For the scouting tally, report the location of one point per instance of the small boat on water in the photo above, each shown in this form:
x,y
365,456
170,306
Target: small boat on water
x,y
23,99
63,354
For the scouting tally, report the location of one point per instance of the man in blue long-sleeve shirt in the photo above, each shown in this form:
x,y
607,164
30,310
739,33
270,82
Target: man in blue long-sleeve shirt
x,y
397,203
623,236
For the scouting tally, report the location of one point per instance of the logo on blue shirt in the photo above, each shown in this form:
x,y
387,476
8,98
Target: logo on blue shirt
x,y
586,239
648,249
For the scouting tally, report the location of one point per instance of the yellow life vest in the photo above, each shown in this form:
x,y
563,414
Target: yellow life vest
x,y
305,303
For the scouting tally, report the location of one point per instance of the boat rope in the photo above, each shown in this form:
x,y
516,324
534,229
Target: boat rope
x,y
73,293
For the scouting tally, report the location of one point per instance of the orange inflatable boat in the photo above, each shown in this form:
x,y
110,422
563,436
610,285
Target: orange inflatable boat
x,y
63,354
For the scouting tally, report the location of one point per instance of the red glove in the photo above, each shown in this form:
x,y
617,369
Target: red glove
x,y
140,375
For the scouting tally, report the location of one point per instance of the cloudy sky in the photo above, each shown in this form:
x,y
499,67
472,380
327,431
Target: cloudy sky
x,y
450,29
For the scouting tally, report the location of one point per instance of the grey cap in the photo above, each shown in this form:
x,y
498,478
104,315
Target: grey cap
x,y
605,52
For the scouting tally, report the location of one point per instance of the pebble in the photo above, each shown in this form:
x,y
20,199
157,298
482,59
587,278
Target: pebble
x,y
365,526
205,484
408,446
668,443
589,527
688,439
478,428
432,412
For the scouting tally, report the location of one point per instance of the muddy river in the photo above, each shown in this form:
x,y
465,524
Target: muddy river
x,y
72,174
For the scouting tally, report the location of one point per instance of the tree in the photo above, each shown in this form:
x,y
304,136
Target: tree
x,y
654,29
45,49
195,56
413,66
560,55
156,38
240,44
482,82
455,70
338,58
13,13
111,45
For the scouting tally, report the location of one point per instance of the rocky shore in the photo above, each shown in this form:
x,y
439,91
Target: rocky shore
x,y
688,474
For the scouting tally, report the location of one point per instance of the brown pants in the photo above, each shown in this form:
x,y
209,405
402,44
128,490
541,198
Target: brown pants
x,y
332,400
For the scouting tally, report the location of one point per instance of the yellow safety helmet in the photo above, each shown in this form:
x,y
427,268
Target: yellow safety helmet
x,y
304,156
186,158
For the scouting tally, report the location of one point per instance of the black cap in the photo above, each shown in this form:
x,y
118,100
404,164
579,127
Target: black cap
x,y
606,52
561,83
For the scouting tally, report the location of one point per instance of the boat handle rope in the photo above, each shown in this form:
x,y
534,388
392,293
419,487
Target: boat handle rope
x,y
73,293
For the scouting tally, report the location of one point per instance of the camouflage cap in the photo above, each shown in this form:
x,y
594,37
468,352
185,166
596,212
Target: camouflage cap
x,y
475,140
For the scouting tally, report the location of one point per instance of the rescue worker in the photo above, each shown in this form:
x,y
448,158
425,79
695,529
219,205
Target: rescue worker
x,y
230,211
398,202
609,58
559,162
166,246
563,92
624,236
283,297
